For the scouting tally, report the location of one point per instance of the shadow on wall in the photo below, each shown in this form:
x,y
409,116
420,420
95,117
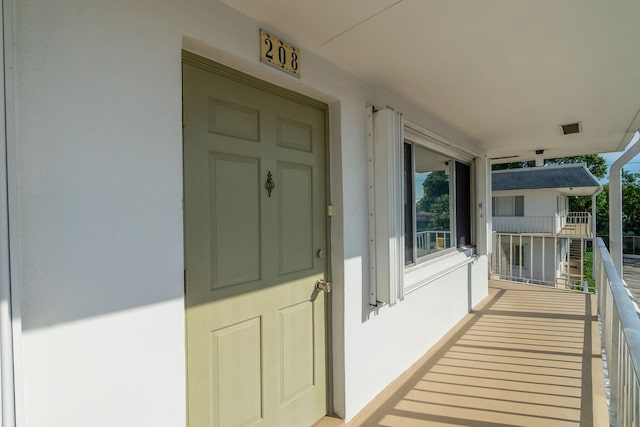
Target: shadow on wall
x,y
109,276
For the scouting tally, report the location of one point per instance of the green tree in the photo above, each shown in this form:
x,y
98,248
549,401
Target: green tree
x,y
602,211
630,205
595,163
513,165
630,202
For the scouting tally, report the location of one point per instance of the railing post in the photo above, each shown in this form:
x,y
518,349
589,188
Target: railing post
x,y
542,260
510,256
614,365
531,261
555,262
520,258
585,288
499,251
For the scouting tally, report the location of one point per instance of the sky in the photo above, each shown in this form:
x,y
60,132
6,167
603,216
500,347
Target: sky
x,y
632,166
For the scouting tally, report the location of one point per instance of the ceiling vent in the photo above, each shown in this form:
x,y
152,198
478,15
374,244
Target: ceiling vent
x,y
570,128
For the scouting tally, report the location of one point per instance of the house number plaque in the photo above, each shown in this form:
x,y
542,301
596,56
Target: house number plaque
x,y
279,54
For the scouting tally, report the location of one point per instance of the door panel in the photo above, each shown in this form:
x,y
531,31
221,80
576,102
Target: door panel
x,y
295,135
255,324
295,218
228,118
296,357
235,212
237,348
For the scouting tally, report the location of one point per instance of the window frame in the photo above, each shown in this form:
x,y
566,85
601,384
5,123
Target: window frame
x,y
453,158
390,280
516,212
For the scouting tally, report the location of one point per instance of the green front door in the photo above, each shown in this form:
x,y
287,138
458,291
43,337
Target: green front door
x,y
255,244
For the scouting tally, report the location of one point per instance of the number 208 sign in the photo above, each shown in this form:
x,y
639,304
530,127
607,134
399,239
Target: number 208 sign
x,y
280,54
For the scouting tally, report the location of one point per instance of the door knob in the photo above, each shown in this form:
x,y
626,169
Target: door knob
x,y
322,285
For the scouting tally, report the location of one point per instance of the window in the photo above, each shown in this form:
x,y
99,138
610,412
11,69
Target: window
x,y
421,204
437,203
508,206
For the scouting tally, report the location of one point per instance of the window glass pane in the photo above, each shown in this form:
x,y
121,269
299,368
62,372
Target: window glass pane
x,y
408,204
432,201
463,204
505,206
519,206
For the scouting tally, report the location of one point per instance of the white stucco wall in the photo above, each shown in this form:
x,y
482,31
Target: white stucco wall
x,y
541,214
100,190
536,202
540,203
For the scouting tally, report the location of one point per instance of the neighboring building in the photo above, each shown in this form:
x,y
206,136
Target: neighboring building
x,y
172,206
537,238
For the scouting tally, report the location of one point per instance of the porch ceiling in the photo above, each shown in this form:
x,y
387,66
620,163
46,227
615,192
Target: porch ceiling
x,y
506,73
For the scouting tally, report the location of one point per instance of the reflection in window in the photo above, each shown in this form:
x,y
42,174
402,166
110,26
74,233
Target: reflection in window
x,y
427,202
432,202
433,205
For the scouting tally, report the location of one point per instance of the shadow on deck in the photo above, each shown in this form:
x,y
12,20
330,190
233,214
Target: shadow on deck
x,y
527,356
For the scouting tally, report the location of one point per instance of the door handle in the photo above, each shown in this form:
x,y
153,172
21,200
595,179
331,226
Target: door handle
x,y
323,286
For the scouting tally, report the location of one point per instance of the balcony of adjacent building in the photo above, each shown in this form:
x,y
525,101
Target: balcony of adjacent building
x,y
574,224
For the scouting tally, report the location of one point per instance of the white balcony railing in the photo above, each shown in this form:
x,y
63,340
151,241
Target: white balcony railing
x,y
431,241
620,334
574,224
542,259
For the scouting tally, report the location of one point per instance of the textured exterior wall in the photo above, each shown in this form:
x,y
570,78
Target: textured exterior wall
x,y
100,232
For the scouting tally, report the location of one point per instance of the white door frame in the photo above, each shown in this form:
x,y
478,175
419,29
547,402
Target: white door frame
x,y
10,325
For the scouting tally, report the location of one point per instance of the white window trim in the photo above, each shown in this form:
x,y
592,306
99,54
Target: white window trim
x,y
11,394
420,275
421,136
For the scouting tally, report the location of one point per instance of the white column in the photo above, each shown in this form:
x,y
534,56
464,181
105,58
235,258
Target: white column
x,y
9,297
615,205
483,201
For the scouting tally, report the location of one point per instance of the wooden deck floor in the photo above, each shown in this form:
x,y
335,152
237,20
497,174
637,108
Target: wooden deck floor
x,y
576,230
526,356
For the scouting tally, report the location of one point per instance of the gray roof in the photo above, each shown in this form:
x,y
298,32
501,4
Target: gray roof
x,y
561,176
